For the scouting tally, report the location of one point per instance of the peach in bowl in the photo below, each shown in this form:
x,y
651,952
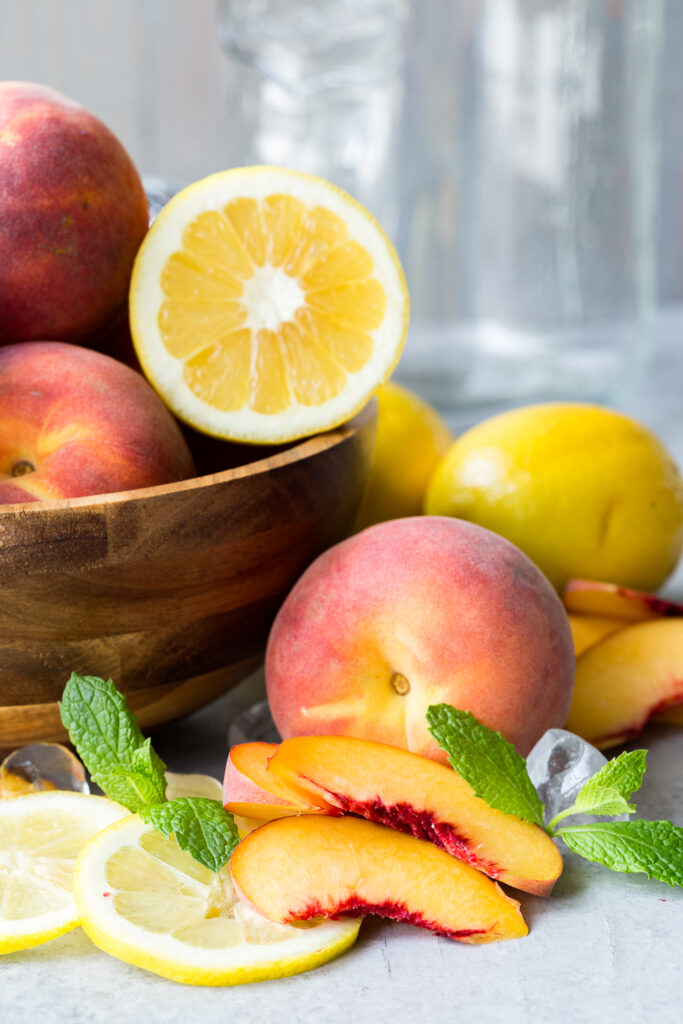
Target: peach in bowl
x,y
169,589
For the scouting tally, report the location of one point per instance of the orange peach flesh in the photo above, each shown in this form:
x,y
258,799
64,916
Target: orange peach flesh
x,y
588,629
592,597
625,679
251,792
419,795
310,866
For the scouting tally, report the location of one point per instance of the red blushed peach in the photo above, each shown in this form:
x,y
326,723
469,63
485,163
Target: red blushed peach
x,y
73,215
415,612
75,422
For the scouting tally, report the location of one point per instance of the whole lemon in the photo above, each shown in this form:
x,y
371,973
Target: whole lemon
x,y
411,439
583,491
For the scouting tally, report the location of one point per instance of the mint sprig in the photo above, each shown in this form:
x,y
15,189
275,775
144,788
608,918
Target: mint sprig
x,y
125,766
108,739
491,765
202,827
607,792
485,761
652,847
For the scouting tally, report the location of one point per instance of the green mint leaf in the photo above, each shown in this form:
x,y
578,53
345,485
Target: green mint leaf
x,y
653,847
107,738
491,765
617,781
202,827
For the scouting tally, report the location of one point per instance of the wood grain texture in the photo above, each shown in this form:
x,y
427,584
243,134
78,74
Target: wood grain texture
x,y
170,590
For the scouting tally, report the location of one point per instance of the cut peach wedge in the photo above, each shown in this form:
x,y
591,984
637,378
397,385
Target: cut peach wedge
x,y
415,794
625,679
592,597
252,792
588,629
298,868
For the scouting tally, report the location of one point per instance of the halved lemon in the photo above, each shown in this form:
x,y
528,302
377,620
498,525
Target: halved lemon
x,y
266,305
143,900
41,835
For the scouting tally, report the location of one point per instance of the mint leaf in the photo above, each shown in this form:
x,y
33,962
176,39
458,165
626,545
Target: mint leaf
x,y
616,781
608,790
653,847
491,765
202,827
107,737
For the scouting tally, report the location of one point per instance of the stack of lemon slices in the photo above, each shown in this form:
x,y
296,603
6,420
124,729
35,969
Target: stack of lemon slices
x,y
266,305
68,859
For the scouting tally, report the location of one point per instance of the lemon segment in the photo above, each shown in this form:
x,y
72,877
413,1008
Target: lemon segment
x,y
41,835
145,901
266,305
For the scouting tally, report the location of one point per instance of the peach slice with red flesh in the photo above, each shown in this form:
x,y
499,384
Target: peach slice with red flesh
x,y
588,629
592,597
251,791
625,679
424,797
298,868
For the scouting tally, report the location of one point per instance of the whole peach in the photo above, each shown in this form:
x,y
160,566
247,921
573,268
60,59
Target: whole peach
x,y
414,612
72,215
75,422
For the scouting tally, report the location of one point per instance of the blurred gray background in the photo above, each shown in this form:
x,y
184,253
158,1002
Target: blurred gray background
x,y
154,71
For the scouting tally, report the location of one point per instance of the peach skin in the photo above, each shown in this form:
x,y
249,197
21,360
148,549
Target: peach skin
x,y
625,679
295,869
414,612
74,213
75,423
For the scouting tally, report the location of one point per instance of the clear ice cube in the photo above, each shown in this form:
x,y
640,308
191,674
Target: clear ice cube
x,y
41,766
254,725
559,765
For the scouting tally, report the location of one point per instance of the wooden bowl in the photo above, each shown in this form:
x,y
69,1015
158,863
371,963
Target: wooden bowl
x,y
169,590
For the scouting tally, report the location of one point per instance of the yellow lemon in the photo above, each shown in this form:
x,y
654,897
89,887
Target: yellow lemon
x,y
411,439
144,900
41,834
266,304
583,491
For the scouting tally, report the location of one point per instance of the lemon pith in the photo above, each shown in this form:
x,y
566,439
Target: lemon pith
x,y
266,304
143,900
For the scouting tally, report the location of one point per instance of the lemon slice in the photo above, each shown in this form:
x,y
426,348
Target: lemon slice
x,y
179,784
145,901
41,835
266,305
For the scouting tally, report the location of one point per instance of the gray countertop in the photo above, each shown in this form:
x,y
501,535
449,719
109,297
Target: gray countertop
x,y
605,947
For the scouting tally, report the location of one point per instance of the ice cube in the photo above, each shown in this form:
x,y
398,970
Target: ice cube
x,y
41,766
254,725
558,766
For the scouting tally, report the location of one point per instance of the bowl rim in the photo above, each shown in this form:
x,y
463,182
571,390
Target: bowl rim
x,y
304,449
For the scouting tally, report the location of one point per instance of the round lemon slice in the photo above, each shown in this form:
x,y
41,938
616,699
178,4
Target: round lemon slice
x,y
266,305
41,835
179,784
144,900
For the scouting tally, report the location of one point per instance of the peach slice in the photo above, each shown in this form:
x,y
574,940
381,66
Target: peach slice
x,y
295,869
416,794
592,597
625,679
252,792
588,629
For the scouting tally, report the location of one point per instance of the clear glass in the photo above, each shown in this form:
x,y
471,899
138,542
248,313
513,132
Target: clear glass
x,y
317,85
528,218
